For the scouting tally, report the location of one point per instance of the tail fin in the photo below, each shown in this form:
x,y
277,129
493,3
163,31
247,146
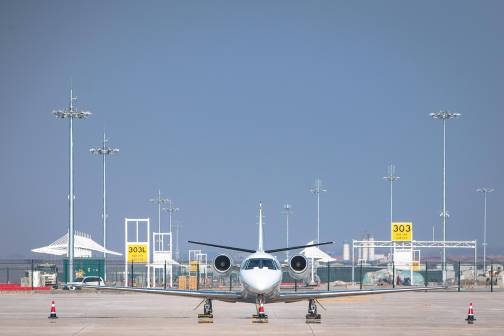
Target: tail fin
x,y
260,247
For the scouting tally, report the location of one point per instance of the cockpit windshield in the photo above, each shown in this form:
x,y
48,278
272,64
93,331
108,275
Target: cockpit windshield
x,y
261,263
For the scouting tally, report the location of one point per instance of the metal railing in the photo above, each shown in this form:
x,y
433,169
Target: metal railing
x,y
462,276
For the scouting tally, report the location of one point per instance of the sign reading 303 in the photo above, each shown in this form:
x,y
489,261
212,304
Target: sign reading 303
x,y
138,252
402,231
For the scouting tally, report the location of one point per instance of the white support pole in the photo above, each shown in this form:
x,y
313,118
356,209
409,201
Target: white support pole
x,y
287,210
391,178
71,198
170,219
353,263
104,214
125,252
444,116
412,263
485,234
149,252
444,200
71,113
475,265
171,265
318,217
316,190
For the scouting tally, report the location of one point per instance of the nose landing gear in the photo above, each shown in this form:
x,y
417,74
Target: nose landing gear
x,y
260,317
207,316
312,316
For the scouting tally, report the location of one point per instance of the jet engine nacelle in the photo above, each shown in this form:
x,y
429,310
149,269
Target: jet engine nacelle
x,y
299,267
222,264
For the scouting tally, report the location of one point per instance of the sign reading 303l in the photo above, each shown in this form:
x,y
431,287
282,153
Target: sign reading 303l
x,y
402,231
138,252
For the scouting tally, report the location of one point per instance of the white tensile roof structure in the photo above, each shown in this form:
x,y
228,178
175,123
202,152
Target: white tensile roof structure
x,y
316,253
83,246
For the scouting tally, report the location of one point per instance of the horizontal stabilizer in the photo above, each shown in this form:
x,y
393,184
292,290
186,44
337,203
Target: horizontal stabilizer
x,y
296,247
222,246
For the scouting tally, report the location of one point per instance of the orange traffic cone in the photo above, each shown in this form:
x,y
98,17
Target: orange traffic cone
x,y
52,315
470,315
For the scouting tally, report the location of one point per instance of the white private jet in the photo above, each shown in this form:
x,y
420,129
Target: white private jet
x,y
260,277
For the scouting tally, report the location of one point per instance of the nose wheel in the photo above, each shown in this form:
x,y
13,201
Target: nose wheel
x,y
313,316
261,316
207,316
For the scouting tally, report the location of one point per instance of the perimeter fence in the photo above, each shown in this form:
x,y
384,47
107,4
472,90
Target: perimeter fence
x,y
459,275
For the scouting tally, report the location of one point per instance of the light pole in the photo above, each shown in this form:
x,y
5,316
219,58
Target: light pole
x,y
316,190
485,191
444,116
71,113
177,227
287,211
391,177
104,150
159,201
171,210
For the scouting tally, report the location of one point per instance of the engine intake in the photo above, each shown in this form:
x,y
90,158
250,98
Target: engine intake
x,y
299,267
222,264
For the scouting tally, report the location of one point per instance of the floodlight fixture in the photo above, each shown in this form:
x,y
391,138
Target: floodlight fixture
x,y
71,113
316,190
287,211
485,191
444,116
104,151
159,201
171,210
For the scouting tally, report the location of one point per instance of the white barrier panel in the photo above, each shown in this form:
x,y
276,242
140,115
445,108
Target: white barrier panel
x,y
137,250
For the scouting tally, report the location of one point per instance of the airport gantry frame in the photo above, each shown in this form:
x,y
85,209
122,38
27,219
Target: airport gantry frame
x,y
466,244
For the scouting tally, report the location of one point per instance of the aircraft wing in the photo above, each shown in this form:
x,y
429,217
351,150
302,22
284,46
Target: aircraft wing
x,y
306,295
202,294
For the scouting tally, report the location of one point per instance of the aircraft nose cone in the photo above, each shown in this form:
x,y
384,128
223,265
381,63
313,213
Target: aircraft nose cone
x,y
262,286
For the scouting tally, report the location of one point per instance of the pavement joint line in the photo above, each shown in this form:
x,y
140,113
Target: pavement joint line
x,y
80,330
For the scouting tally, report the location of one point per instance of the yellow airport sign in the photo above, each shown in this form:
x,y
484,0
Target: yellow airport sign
x,y
138,252
193,266
402,231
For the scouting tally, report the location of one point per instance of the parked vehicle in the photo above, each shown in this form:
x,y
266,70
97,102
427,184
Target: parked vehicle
x,y
88,280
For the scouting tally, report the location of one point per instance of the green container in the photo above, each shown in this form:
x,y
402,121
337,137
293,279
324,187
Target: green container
x,y
84,267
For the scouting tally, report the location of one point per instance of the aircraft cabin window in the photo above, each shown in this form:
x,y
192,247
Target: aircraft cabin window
x,y
261,263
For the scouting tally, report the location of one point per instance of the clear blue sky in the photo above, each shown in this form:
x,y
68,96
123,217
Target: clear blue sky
x,y
221,104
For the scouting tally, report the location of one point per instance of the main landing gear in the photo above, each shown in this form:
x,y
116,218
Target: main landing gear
x,y
260,317
207,316
312,316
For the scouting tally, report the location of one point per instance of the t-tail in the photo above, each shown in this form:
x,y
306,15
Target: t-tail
x,y
260,244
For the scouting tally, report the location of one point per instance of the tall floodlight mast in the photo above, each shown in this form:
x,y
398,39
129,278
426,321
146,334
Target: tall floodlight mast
x,y
287,211
485,191
316,190
177,225
71,113
159,202
391,178
104,150
444,116
171,210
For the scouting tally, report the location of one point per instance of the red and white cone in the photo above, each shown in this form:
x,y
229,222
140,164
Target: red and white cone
x,y
52,315
470,314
